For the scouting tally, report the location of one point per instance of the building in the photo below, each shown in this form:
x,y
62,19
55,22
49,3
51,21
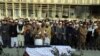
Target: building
x,y
48,8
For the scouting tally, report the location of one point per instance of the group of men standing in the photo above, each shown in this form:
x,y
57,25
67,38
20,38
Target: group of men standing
x,y
80,34
23,32
11,33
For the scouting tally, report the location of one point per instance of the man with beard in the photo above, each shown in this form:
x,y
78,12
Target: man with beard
x,y
20,31
5,33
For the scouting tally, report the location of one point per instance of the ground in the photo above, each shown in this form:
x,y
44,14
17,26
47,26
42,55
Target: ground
x,y
20,51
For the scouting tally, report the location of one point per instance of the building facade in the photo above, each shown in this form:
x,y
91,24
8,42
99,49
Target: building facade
x,y
46,8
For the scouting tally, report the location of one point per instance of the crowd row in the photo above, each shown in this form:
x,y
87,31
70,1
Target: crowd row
x,y
22,32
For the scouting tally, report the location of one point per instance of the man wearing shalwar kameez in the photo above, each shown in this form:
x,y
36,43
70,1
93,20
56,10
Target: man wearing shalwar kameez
x,y
20,36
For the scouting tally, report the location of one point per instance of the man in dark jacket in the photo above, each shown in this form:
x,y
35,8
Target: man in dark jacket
x,y
60,34
53,34
13,34
5,33
70,34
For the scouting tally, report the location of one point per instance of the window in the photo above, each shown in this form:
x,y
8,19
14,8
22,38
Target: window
x,y
9,6
23,10
2,12
2,6
30,9
16,12
10,13
16,6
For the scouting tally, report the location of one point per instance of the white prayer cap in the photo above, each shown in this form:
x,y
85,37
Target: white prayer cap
x,y
95,24
81,24
16,20
77,21
39,23
77,25
33,21
20,22
70,23
47,23
56,21
11,20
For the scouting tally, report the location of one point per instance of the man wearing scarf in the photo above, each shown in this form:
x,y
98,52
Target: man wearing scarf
x,y
20,36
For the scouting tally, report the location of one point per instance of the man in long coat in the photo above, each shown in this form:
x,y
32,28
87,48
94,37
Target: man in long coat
x,y
82,35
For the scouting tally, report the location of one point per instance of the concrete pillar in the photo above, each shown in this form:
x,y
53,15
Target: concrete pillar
x,y
69,11
20,9
13,10
27,12
0,13
6,11
54,11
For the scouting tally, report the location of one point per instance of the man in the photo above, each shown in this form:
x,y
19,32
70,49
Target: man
x,y
70,34
60,34
20,31
13,34
5,33
53,34
82,35
28,34
89,40
47,34
0,34
97,36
